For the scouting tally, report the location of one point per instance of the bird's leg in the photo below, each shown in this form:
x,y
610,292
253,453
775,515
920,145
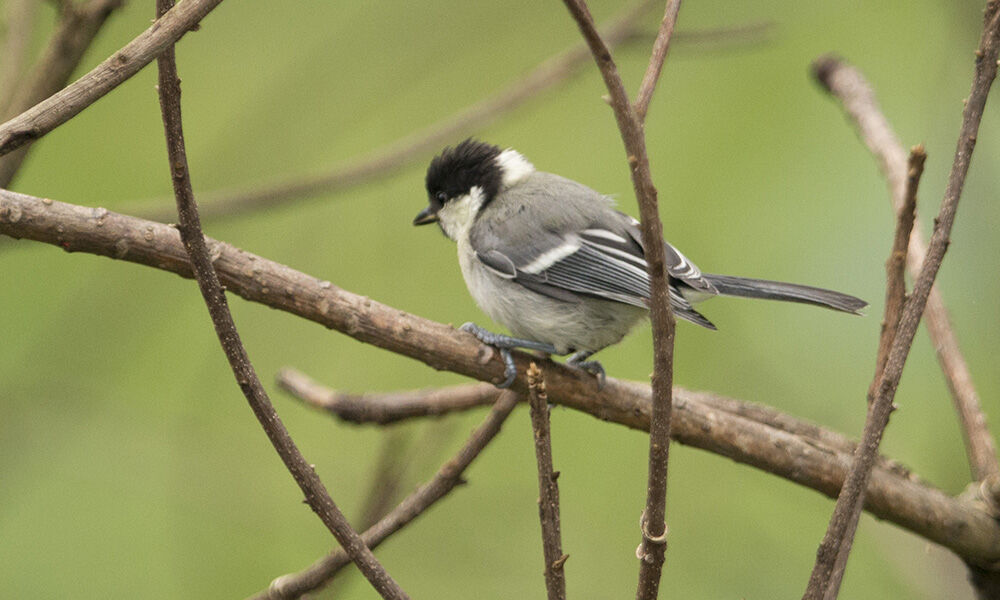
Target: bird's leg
x,y
579,361
504,344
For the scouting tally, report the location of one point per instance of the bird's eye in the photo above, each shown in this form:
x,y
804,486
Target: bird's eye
x,y
441,197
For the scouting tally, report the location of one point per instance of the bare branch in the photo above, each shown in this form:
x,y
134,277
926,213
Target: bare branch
x,y
17,27
77,28
895,289
652,548
548,488
824,583
71,100
246,376
954,523
848,85
397,155
441,401
447,478
660,48
385,408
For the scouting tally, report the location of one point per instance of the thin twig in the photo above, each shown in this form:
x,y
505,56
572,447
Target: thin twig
x,y
955,523
652,524
18,25
78,27
446,479
824,583
385,408
855,93
895,289
660,48
215,299
52,112
548,488
402,152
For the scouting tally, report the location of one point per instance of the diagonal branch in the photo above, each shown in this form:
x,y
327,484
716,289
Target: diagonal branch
x,y
77,28
652,524
52,112
954,523
215,299
660,48
850,87
824,583
548,488
447,478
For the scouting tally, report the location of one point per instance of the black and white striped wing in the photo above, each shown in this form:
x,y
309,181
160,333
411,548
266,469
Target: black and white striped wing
x,y
599,263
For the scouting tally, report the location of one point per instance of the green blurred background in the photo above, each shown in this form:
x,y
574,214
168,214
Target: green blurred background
x,y
130,464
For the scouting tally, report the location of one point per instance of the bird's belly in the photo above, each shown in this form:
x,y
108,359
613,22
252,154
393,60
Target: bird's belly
x,y
588,324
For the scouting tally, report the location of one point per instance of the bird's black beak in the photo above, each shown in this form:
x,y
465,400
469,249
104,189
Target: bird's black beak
x,y
428,215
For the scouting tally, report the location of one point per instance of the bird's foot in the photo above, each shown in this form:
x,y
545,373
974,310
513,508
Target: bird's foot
x,y
504,344
579,361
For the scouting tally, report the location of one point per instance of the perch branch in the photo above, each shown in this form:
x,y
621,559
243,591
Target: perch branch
x,y
660,47
440,401
62,106
548,488
652,524
75,32
954,523
849,86
385,408
215,299
446,479
824,582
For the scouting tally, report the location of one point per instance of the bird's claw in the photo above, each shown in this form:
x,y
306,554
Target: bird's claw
x,y
498,342
595,368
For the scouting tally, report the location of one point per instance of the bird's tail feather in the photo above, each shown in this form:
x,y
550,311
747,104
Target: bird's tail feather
x,y
728,285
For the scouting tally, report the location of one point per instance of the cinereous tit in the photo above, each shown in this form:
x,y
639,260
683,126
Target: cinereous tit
x,y
551,260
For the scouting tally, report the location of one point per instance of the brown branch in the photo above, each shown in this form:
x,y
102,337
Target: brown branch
x,y
652,525
895,289
215,299
397,155
385,408
77,28
446,479
17,28
441,401
849,86
548,488
660,47
71,100
824,583
954,523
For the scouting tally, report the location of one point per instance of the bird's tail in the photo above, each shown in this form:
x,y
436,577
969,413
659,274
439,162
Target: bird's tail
x,y
728,285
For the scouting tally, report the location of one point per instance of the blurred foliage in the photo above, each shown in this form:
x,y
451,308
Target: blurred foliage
x,y
131,467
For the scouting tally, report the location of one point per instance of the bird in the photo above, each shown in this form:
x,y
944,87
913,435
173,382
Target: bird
x,y
555,263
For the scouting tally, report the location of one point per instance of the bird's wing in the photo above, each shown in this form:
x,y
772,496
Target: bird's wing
x,y
596,261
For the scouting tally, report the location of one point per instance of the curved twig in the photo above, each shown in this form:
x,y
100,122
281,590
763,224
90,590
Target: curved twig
x,y
191,235
650,555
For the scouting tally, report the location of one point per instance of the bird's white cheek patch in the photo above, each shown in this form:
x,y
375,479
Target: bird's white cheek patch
x,y
457,215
